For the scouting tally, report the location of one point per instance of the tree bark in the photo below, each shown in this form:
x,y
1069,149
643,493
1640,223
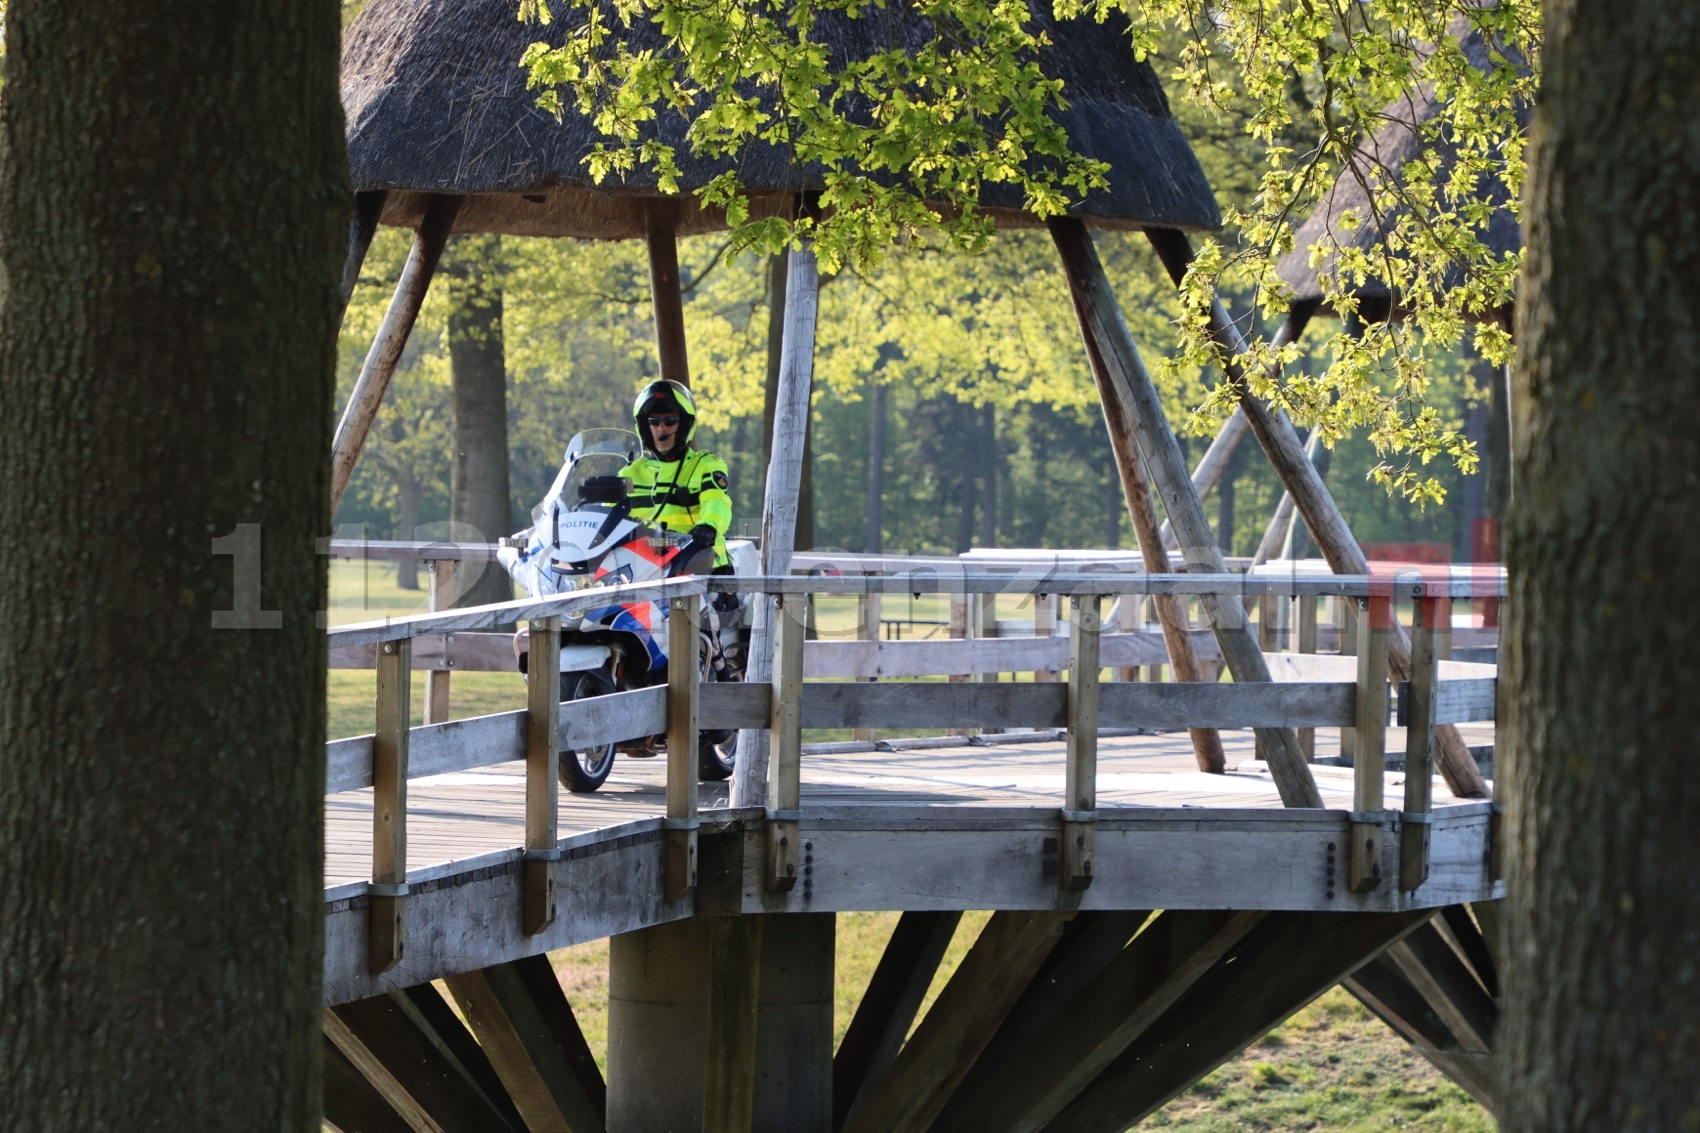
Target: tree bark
x,y
174,208
989,477
1602,1026
479,509
874,542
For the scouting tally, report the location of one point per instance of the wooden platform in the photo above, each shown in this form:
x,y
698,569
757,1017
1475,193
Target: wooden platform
x,y
463,816
951,828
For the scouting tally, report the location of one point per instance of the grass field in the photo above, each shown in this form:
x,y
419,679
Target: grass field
x,y
1332,1067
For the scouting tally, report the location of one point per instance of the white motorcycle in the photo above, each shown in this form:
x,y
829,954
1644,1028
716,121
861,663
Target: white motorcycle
x,y
583,535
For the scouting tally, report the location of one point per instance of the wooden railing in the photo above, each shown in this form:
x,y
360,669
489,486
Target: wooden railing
x,y
396,753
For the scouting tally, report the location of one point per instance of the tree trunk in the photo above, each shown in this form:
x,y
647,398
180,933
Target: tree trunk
x,y
479,510
174,213
970,472
409,492
1603,996
989,477
874,542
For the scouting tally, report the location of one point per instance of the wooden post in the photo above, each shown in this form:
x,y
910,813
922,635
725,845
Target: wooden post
x,y
867,629
784,786
1045,625
985,623
1347,611
1080,782
1266,623
362,226
1311,496
1418,816
437,679
1442,631
1368,777
684,673
780,499
542,774
960,628
1307,644
1132,405
660,229
389,804
385,355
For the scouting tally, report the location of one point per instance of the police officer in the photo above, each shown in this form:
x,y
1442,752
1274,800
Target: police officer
x,y
672,484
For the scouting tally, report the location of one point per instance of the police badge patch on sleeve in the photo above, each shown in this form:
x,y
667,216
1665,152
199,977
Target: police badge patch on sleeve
x,y
720,480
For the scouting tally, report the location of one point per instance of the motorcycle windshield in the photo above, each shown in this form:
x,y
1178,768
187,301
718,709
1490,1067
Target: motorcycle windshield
x,y
592,453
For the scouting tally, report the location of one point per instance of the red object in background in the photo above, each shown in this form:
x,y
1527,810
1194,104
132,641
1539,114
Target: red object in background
x,y
1484,548
1389,560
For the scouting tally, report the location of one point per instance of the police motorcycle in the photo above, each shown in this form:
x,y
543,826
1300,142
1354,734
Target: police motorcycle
x,y
583,535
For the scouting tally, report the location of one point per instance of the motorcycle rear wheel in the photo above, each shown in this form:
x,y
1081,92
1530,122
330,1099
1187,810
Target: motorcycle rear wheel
x,y
585,769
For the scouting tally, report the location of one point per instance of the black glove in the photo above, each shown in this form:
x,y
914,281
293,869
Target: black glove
x,y
702,537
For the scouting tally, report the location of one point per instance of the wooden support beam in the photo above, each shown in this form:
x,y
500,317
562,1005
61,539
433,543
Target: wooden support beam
x,y
961,1022
389,805
1278,536
1227,441
1417,818
684,672
525,1025
1136,489
1033,1082
888,1006
437,680
352,1104
1311,496
1369,774
1380,986
1347,611
1456,924
1080,777
783,860
1045,625
1089,943
362,226
660,229
391,340
435,1083
1428,962
734,996
542,775
1283,964
1131,391
780,499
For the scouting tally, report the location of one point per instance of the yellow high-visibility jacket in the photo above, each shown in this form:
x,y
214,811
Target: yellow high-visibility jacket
x,y
681,494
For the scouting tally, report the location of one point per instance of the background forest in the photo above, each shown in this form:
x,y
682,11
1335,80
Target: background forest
x,y
992,435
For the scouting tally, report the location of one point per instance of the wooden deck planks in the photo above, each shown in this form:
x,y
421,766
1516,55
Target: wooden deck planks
x,y
462,815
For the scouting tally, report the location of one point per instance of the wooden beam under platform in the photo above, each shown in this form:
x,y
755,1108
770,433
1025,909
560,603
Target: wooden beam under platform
x,y
889,1005
960,1023
423,1062
1285,963
526,1026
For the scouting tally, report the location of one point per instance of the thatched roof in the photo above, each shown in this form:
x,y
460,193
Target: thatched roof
x,y
1393,145
437,103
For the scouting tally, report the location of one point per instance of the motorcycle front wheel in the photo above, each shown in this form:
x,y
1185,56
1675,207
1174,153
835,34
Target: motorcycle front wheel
x,y
585,769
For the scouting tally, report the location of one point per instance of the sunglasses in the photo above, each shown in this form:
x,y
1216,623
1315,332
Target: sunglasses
x,y
670,420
